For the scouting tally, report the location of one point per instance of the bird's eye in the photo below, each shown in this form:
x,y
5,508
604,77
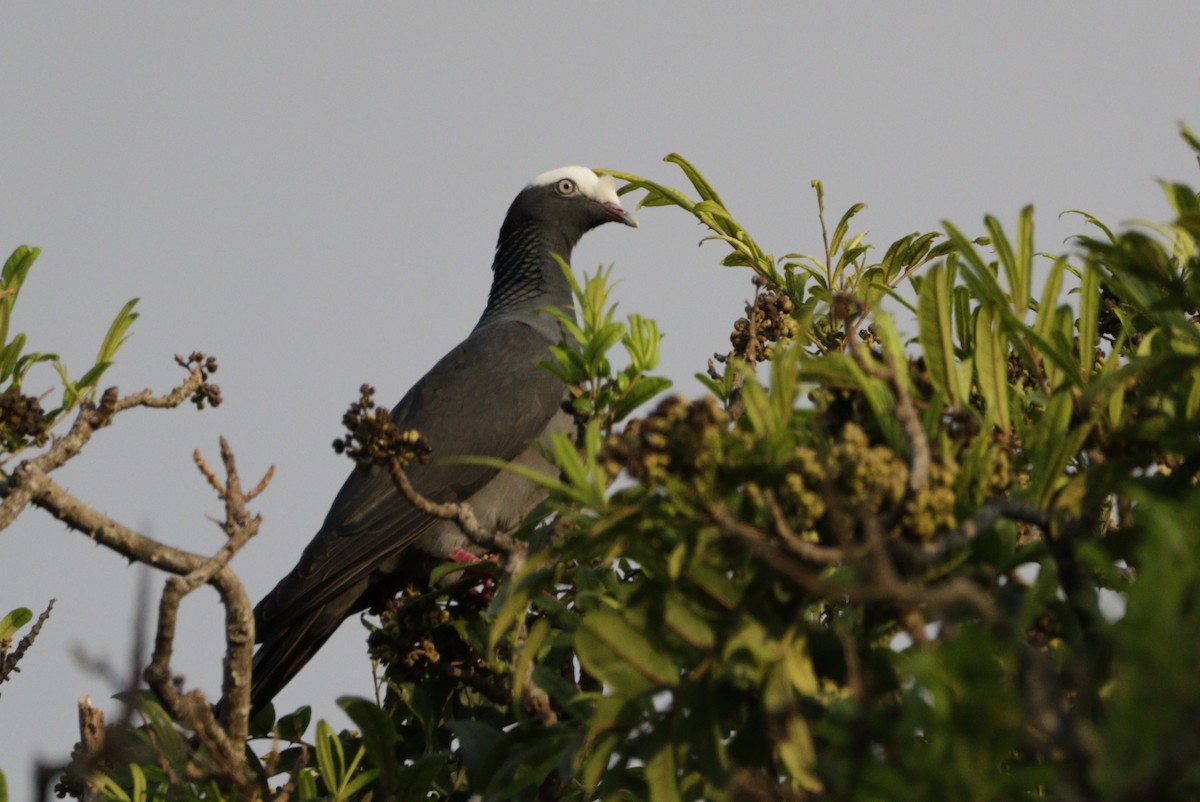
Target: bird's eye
x,y
565,186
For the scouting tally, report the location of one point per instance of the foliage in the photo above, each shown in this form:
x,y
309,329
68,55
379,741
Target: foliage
x,y
25,424
929,533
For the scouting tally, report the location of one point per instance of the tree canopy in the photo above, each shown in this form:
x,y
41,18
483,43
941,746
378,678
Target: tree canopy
x,y
928,533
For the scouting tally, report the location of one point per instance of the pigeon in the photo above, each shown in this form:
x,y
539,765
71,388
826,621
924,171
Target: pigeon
x,y
486,397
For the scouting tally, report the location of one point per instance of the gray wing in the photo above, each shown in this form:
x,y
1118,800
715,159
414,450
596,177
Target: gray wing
x,y
487,397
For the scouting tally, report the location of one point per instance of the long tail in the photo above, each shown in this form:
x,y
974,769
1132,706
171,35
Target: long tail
x,y
282,655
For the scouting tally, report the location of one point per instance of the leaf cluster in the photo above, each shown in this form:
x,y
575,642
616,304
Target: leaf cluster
x,y
928,534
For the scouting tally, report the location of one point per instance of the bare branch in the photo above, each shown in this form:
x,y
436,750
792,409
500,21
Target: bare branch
x,y
239,526
31,483
92,742
90,418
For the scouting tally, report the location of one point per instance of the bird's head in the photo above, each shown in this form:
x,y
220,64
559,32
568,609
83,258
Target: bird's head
x,y
570,201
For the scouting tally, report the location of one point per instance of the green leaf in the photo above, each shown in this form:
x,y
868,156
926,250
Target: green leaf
x,y
117,333
682,618
703,188
293,726
476,742
1089,316
93,375
11,278
331,759
639,393
112,790
1018,267
617,652
937,331
1049,300
9,356
139,782
661,771
14,621
1189,136
415,780
360,781
641,343
842,227
601,341
980,277
168,736
991,367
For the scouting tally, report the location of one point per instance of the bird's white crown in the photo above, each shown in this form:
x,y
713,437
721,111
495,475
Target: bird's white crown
x,y
598,188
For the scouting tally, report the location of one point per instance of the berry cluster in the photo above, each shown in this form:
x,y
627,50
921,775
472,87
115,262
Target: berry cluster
x,y
372,437
21,420
680,438
206,394
768,323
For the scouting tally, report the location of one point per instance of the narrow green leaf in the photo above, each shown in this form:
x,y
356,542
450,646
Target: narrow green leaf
x,y
378,738
936,332
980,277
90,378
324,745
9,356
597,757
715,584
703,188
112,790
117,333
1049,300
477,740
661,771
600,343
991,367
416,779
16,268
306,784
639,393
551,483
360,781
621,655
139,782
1089,316
843,225
681,617
26,362
170,741
657,194
14,621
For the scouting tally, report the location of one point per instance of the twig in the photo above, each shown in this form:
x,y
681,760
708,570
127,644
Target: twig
x,y
239,527
885,584
89,419
459,512
982,521
91,739
9,664
813,552
30,483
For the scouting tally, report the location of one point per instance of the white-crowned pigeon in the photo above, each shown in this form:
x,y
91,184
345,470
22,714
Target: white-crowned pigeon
x,y
487,397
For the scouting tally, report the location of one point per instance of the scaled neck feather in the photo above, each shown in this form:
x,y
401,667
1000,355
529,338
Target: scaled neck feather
x,y
526,275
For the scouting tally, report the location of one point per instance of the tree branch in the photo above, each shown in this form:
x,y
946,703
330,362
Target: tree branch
x,y
31,483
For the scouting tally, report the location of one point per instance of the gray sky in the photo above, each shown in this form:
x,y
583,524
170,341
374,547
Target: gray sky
x,y
313,196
